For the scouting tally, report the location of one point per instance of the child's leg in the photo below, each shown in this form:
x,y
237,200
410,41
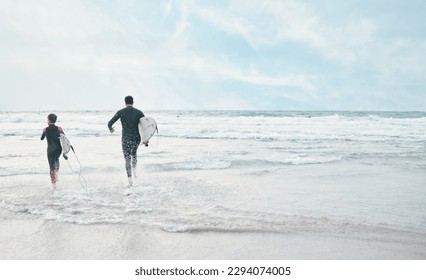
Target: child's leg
x,y
57,165
56,169
53,178
51,160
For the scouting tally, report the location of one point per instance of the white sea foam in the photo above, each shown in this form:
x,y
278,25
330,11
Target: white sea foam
x,y
227,171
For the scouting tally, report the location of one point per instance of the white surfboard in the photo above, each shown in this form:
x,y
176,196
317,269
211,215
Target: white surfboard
x,y
147,128
65,143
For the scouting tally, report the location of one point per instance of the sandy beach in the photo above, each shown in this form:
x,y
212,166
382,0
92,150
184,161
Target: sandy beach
x,y
25,237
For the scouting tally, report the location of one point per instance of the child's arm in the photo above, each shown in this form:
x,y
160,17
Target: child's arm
x,y
43,135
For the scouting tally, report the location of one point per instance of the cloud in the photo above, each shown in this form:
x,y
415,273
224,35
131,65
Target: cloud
x,y
277,22
183,22
191,55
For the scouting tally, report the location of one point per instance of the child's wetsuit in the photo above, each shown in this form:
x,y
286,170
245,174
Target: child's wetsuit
x,y
54,148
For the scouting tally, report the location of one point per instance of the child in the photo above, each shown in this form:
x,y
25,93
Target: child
x,y
54,148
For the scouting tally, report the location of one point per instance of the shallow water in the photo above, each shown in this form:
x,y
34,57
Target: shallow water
x,y
227,171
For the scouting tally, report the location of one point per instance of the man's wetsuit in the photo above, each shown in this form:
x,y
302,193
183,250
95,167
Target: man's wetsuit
x,y
54,148
131,138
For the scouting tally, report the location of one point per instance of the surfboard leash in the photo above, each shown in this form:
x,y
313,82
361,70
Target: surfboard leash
x,y
81,178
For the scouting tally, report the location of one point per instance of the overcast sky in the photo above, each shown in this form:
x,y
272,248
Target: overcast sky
x,y
265,54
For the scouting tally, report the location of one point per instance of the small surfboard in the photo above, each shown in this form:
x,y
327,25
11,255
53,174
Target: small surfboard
x,y
65,143
147,128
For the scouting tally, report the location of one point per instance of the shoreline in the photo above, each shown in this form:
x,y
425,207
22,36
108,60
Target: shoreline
x,y
28,237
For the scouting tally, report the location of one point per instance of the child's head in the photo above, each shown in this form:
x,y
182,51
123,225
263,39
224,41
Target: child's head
x,y
51,118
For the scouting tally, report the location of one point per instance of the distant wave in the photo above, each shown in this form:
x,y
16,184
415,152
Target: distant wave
x,y
212,164
7,172
189,165
288,161
265,126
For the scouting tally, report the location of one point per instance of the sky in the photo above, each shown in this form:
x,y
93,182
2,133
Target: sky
x,y
213,55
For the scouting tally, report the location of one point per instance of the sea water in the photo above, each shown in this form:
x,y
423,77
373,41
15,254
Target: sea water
x,y
232,171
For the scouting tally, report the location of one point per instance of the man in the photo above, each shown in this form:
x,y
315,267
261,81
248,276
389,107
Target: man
x,y
131,138
54,148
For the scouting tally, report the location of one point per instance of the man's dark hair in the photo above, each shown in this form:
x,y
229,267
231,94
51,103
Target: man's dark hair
x,y
52,118
128,99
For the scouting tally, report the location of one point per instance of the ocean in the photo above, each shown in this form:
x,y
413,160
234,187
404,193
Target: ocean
x,y
227,171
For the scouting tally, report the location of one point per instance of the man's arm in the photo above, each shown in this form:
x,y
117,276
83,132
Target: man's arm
x,y
112,121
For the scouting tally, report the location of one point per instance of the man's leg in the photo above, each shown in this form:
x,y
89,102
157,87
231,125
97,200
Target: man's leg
x,y
127,157
134,156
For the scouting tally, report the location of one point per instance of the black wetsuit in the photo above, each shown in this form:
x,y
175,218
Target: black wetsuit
x,y
131,138
54,149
